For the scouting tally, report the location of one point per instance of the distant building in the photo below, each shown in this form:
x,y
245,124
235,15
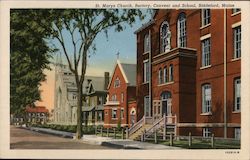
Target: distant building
x,y
37,115
120,106
94,90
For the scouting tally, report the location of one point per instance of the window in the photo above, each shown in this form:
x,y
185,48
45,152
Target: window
x,y
147,106
206,98
165,75
205,17
206,52
237,94
114,113
122,97
117,82
113,98
100,100
160,76
122,113
171,73
237,133
146,71
235,10
206,132
237,42
74,96
165,37
182,38
146,43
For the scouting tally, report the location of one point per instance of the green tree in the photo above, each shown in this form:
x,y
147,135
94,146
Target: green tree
x,y
81,27
29,56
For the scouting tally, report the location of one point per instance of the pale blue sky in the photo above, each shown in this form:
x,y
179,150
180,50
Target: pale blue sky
x,y
105,57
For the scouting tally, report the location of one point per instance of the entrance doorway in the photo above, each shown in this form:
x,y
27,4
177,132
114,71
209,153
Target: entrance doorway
x,y
166,99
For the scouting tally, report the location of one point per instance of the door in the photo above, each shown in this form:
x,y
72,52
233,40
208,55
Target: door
x,y
157,109
166,99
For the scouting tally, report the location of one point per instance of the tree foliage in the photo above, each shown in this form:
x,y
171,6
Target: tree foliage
x,y
29,56
83,26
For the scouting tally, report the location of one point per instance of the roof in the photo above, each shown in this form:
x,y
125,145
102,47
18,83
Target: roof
x,y
37,109
128,73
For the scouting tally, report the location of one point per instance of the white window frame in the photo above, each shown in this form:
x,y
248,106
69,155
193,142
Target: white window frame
x,y
165,74
171,73
181,24
160,76
237,41
113,98
146,43
146,71
206,132
206,52
147,106
114,113
235,10
237,133
237,95
206,98
205,17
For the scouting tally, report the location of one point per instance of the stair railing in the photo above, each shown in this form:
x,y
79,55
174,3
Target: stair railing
x,y
157,124
136,126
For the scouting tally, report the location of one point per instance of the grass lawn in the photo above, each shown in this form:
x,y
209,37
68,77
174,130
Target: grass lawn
x,y
202,144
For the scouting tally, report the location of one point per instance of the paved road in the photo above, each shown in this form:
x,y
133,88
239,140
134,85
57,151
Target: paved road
x,y
26,139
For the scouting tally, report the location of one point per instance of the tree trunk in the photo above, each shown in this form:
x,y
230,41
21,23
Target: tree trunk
x,y
79,113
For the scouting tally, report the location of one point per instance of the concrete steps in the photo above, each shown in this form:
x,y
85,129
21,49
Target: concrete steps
x,y
139,132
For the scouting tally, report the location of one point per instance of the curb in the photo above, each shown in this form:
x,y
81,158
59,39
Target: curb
x,y
118,146
48,132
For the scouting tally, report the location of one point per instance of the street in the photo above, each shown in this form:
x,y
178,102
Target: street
x,y
26,139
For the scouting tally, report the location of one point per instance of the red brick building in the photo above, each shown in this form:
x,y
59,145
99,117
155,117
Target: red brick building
x,y
189,62
120,107
37,115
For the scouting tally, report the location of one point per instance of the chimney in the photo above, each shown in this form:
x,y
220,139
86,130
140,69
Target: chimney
x,y
106,80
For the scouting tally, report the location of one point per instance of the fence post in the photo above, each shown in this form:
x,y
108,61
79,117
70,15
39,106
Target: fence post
x,y
189,139
142,136
101,132
165,127
127,136
155,136
107,132
114,134
122,133
171,139
95,130
212,141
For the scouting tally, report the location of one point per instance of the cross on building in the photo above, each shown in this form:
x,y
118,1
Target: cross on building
x,y
117,54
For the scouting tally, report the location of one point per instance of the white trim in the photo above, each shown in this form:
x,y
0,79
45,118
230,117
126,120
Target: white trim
x,y
163,84
205,67
206,114
123,73
202,27
236,24
236,13
235,59
205,37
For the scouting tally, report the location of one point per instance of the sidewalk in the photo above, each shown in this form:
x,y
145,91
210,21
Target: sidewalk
x,y
105,141
123,143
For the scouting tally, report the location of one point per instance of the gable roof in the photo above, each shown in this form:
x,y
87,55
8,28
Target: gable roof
x,y
128,73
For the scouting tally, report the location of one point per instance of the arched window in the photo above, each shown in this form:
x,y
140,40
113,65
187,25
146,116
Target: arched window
x,y
146,43
160,76
165,37
181,24
166,95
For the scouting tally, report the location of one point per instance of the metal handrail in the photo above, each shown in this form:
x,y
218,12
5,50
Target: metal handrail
x,y
136,126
